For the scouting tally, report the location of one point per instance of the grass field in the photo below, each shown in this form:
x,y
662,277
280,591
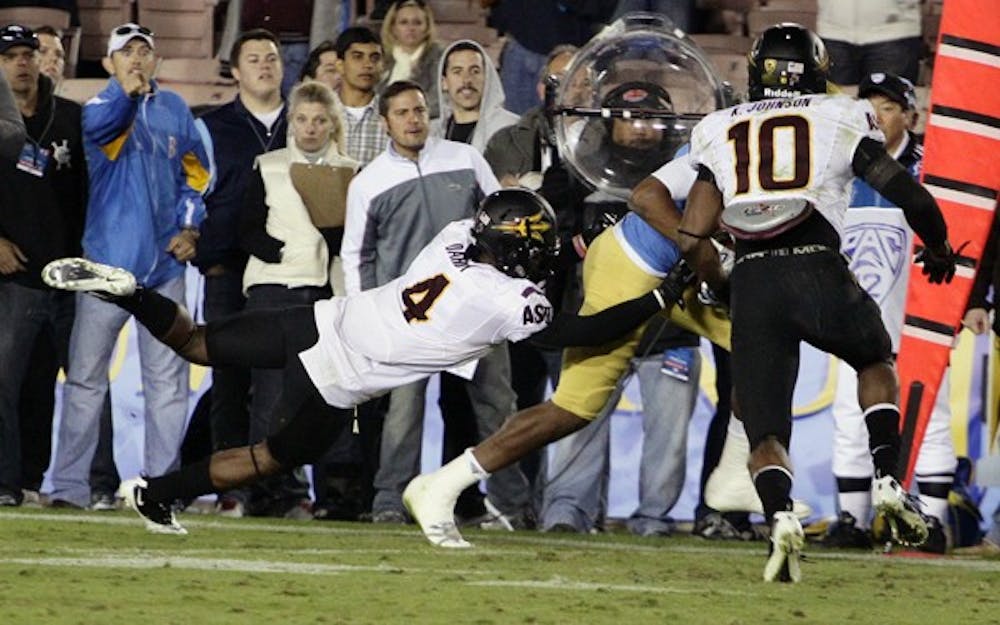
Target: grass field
x,y
81,568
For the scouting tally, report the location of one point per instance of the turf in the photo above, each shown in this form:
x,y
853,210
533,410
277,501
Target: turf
x,y
64,567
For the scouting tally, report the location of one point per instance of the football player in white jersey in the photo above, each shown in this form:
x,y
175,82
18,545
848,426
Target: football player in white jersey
x,y
775,173
474,285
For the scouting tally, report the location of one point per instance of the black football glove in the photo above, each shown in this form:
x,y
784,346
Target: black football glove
x,y
601,222
939,264
671,290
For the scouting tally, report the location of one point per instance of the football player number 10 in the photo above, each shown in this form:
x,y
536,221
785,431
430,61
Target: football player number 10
x,y
784,135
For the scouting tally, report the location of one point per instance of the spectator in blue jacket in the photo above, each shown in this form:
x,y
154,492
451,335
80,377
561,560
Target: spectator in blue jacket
x,y
148,169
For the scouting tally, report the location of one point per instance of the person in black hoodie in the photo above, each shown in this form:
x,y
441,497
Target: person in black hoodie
x,y
43,198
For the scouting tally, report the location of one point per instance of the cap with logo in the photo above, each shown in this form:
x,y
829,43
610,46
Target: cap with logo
x,y
127,32
896,88
13,35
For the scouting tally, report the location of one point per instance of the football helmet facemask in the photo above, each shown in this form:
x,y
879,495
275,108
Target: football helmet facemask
x,y
517,228
787,60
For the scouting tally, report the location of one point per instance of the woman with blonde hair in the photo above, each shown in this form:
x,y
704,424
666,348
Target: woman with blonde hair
x,y
412,51
291,225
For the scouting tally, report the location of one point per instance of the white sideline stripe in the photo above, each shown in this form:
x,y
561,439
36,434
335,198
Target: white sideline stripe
x,y
496,540
965,54
198,564
559,583
964,125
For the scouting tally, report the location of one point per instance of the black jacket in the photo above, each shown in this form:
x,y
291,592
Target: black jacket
x,y
237,139
44,215
988,275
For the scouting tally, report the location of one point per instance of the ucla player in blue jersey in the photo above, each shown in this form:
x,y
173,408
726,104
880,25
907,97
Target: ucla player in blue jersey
x,y
878,240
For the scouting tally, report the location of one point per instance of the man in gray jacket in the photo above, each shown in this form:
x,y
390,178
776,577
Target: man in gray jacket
x,y
395,205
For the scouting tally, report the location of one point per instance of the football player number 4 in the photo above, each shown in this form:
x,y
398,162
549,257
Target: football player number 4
x,y
782,146
419,298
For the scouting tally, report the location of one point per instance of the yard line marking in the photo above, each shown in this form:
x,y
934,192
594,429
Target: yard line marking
x,y
492,542
198,564
559,583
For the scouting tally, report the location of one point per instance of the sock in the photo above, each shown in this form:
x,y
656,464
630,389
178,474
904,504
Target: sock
x,y
151,309
774,486
854,495
934,495
883,437
190,482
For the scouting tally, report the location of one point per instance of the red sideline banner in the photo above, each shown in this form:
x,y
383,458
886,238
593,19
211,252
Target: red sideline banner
x,y
961,169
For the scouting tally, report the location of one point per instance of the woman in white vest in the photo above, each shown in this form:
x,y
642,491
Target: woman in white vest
x,y
291,227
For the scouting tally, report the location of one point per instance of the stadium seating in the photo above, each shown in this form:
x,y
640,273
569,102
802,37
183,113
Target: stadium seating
x,y
184,28
97,18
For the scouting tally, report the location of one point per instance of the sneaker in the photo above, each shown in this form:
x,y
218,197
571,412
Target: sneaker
x,y
389,517
714,526
103,502
787,539
907,524
80,274
301,511
229,507
31,498
8,501
159,516
434,513
844,533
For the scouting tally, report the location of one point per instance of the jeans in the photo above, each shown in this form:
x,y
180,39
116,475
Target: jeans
x,y
281,491
576,491
519,72
850,63
25,313
165,389
293,57
402,433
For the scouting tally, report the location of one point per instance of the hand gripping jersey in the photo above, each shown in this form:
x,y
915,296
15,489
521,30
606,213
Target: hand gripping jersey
x,y
443,313
775,160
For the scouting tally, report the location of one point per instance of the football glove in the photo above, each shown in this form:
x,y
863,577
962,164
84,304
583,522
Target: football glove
x,y
939,264
671,290
601,222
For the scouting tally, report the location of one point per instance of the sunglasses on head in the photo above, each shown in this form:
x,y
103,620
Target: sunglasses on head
x,y
13,33
128,30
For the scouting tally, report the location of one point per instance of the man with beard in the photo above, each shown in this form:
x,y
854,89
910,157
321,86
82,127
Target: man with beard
x,y
471,96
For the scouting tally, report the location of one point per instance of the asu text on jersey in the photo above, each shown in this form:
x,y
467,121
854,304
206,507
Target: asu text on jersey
x,y
443,313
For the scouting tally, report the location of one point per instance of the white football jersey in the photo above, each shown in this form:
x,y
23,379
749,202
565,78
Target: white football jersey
x,y
443,313
767,153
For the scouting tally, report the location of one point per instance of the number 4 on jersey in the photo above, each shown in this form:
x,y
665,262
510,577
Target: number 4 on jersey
x,y
419,298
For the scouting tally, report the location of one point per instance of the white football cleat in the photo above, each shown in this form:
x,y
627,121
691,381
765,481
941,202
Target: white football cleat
x,y
787,539
80,274
159,517
434,512
907,524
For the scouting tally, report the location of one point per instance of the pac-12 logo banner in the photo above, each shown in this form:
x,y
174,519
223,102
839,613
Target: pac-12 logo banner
x,y
878,254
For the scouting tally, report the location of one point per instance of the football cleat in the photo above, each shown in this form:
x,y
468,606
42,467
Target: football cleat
x,y
907,524
80,274
787,539
434,513
159,516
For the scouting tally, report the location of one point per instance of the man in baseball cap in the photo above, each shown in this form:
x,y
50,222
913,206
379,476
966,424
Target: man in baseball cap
x,y
896,88
130,58
126,33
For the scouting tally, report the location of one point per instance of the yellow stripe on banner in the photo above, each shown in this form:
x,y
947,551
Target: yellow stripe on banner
x,y
962,365
825,397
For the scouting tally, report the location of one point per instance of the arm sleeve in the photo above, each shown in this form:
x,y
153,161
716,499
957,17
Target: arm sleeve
x,y
12,130
872,163
195,172
253,221
677,176
984,275
569,330
108,117
355,221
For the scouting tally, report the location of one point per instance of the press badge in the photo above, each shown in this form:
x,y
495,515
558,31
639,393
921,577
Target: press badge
x,y
33,159
677,363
